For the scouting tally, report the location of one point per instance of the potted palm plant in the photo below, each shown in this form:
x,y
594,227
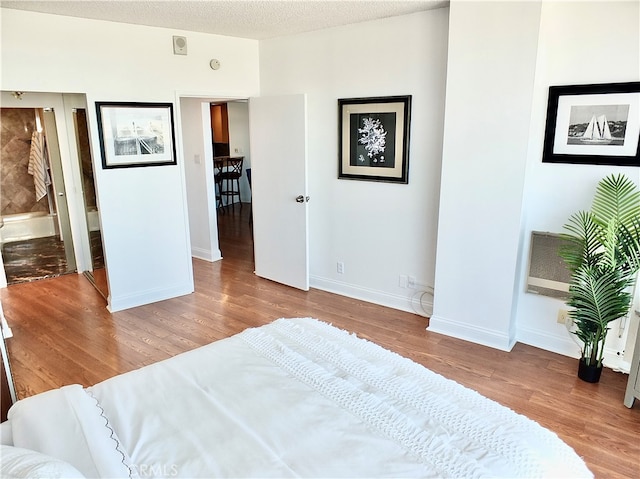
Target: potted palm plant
x,y
602,252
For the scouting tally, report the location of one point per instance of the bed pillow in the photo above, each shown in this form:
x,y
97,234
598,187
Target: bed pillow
x,y
70,425
24,463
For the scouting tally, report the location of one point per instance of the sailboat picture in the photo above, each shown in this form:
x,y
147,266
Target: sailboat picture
x,y
597,124
597,131
593,124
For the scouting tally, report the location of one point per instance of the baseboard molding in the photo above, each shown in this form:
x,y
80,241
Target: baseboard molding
x,y
566,347
415,303
206,255
474,334
548,342
121,303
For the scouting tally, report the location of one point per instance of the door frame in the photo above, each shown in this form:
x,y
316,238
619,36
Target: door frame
x,y
204,181
213,254
70,164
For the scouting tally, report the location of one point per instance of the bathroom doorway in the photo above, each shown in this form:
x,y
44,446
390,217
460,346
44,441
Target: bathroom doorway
x,y
64,216
35,231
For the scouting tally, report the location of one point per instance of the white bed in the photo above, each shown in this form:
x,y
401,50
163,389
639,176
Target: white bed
x,y
295,398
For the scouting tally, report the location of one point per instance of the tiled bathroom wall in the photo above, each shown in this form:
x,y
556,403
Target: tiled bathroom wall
x,y
17,192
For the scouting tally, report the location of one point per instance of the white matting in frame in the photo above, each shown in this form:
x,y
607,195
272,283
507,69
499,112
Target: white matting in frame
x,y
136,134
602,110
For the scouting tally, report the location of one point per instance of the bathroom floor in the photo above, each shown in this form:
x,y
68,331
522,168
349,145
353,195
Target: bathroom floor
x,y
34,259
41,258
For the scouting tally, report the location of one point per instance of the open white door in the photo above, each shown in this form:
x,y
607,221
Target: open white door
x,y
278,140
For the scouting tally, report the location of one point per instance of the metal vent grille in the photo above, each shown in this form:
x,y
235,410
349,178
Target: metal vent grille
x,y
548,275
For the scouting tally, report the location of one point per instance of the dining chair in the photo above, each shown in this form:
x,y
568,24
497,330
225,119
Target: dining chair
x,y
251,202
231,181
218,168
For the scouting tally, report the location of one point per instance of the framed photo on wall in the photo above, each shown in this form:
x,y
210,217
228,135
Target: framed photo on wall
x,y
593,124
374,138
136,134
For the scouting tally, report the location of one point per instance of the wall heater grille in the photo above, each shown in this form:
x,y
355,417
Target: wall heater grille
x,y
548,275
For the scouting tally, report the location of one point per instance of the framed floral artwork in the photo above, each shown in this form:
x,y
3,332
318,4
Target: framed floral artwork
x,y
374,138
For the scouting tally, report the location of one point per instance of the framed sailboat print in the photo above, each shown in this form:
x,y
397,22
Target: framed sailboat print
x,y
596,124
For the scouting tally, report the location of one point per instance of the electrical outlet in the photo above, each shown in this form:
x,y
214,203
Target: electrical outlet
x,y
402,281
340,267
563,316
411,282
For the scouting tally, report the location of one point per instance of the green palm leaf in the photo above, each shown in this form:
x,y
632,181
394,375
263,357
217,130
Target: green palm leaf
x,y
602,250
617,197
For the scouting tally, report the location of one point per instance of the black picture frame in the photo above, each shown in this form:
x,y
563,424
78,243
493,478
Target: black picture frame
x,y
136,134
596,124
374,138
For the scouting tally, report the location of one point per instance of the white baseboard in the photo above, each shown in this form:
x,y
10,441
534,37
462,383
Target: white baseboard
x,y
475,334
152,296
206,254
548,342
567,347
411,304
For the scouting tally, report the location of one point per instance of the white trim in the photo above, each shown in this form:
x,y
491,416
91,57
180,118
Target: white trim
x,y
147,297
6,330
409,304
206,255
474,334
567,347
549,342
7,366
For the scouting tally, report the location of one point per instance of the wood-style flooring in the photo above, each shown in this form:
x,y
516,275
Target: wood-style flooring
x,y
63,334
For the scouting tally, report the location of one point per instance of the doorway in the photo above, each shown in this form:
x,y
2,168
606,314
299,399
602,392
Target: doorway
x,y
278,189
198,151
230,141
35,231
59,213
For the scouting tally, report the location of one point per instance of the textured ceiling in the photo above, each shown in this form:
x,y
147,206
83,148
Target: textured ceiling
x,y
257,19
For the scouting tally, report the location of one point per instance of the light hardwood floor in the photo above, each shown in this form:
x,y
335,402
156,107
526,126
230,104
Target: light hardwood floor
x,y
63,334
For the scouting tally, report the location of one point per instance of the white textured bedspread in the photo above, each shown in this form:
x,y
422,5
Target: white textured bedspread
x,y
300,398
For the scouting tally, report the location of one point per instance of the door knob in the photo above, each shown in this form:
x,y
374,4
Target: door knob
x,y
302,199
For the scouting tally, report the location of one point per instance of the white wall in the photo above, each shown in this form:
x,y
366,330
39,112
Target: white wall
x,y
143,210
555,191
198,164
490,74
379,230
503,56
